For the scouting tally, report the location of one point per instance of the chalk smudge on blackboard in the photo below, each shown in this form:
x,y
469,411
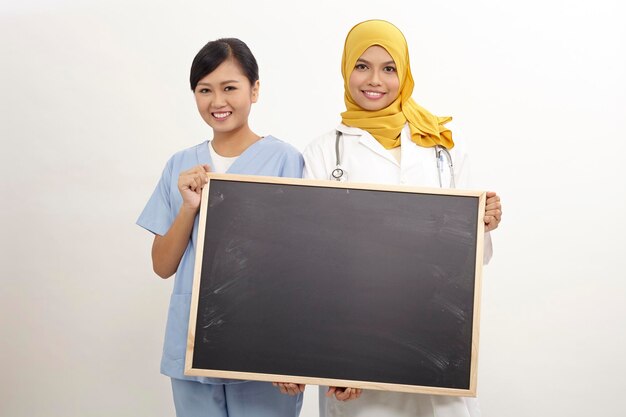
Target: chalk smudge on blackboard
x,y
437,271
211,317
461,232
214,321
450,307
208,312
216,199
225,286
438,360
233,259
405,224
234,245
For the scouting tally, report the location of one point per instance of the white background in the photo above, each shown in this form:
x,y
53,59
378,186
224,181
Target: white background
x,y
94,98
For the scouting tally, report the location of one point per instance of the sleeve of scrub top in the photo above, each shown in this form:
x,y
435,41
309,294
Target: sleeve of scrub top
x,y
462,180
157,216
293,165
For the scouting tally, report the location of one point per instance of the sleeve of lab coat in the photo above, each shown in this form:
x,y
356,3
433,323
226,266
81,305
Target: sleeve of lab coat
x,y
462,180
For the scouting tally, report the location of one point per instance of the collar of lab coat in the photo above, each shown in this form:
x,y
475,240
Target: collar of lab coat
x,y
367,140
408,159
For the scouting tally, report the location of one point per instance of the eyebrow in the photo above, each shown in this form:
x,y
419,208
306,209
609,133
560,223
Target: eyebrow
x,y
369,63
222,83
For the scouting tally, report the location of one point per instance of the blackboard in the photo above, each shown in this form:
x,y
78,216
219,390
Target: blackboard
x,y
337,284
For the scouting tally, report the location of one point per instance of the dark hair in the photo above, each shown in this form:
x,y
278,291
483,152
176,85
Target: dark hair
x,y
215,52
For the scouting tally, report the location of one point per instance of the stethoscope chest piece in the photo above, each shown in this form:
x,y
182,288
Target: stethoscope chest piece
x,y
338,174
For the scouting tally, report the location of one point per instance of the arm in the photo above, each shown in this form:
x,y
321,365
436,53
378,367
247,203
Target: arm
x,y
168,250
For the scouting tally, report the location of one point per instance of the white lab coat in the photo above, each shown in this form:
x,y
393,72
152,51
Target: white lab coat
x,y
364,159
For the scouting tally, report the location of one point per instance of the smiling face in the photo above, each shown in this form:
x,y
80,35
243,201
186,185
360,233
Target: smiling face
x,y
224,98
374,82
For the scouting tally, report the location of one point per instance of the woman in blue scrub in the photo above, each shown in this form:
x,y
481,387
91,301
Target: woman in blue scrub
x,y
225,82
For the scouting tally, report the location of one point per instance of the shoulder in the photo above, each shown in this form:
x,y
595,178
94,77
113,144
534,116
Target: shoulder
x,y
278,146
186,158
189,153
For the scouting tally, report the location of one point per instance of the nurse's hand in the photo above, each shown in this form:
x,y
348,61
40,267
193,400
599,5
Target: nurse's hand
x,y
288,388
493,211
344,394
190,184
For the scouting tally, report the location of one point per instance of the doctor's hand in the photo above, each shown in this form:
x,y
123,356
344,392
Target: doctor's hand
x,y
344,394
493,211
190,184
288,388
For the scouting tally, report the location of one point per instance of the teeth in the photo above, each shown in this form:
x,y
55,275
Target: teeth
x,y
221,115
373,94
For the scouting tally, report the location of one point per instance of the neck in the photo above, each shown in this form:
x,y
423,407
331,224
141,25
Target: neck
x,y
234,143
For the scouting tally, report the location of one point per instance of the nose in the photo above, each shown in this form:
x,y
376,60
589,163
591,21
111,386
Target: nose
x,y
219,100
374,79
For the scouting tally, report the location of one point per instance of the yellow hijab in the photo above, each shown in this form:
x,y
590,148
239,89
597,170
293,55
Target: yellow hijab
x,y
386,124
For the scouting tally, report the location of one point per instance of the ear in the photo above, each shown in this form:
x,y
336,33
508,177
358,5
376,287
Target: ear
x,y
255,91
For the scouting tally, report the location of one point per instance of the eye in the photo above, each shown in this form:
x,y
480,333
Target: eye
x,y
230,88
389,69
203,90
360,67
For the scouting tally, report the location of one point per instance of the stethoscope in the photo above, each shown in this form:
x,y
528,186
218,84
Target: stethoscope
x,y
441,153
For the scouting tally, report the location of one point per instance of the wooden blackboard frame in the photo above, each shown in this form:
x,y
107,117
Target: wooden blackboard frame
x,y
191,371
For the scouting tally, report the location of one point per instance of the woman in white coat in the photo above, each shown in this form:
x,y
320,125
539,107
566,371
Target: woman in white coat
x,y
385,137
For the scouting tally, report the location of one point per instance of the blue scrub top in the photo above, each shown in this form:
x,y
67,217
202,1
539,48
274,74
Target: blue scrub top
x,y
268,157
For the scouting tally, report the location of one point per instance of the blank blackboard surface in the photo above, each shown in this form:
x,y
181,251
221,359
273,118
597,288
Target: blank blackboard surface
x,y
338,284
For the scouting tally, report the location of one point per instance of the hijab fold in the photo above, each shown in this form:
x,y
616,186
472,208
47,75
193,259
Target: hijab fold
x,y
386,124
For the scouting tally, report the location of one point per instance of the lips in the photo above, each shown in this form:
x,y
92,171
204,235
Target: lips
x,y
374,95
221,115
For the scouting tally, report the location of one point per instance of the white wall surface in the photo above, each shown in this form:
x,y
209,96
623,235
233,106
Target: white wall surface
x,y
94,98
